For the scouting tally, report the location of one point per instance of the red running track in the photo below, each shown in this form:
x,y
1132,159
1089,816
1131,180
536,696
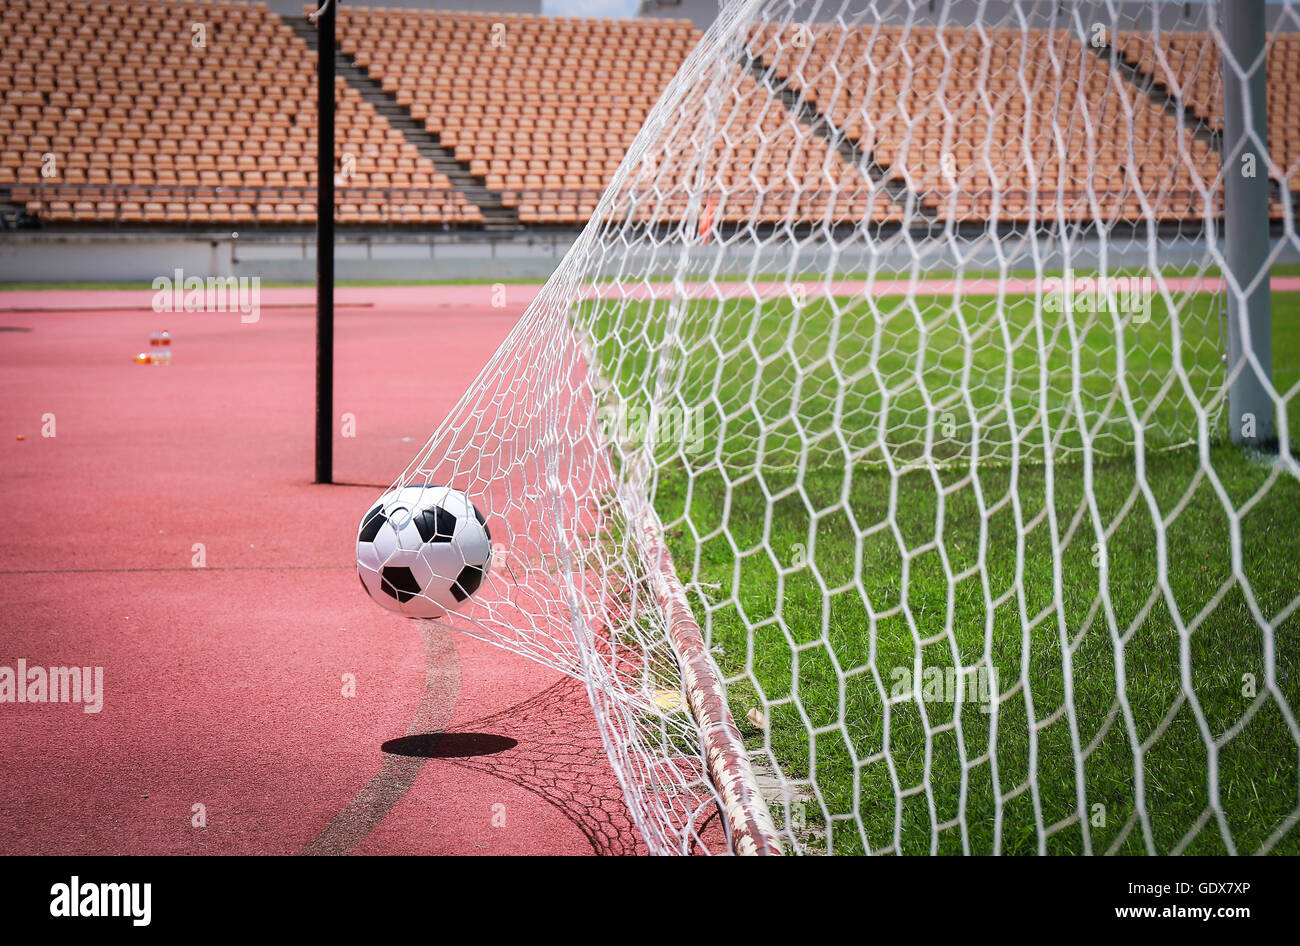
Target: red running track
x,y
223,684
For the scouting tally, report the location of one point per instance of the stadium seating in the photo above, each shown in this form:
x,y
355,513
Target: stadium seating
x,y
542,108
955,114
189,113
1188,66
202,112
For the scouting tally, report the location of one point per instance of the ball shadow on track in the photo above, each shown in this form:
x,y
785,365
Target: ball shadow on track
x,y
448,745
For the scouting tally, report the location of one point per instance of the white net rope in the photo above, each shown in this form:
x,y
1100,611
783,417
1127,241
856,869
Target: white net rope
x,y
904,329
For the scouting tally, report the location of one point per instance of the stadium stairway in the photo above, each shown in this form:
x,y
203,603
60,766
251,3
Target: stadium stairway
x,y
497,217
820,124
12,215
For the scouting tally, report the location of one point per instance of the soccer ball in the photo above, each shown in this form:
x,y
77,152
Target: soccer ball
x,y
423,550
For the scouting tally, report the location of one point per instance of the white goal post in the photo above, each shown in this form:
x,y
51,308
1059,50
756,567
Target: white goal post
x,y
898,456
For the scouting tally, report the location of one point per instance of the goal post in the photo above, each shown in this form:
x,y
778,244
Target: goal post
x,y
872,456
1245,209
750,827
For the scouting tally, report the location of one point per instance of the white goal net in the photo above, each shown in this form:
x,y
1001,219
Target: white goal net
x,y
887,393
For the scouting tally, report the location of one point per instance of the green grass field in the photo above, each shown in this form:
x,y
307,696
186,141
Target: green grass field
x,y
818,586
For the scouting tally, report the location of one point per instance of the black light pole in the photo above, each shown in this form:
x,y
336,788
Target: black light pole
x,y
324,20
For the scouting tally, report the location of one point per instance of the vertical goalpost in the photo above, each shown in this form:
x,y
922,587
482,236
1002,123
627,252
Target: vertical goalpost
x,y
1246,224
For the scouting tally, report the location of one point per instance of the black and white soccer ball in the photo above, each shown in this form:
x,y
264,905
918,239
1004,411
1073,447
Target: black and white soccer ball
x,y
422,550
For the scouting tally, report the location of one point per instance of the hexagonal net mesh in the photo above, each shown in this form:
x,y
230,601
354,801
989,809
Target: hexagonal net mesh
x,y
869,456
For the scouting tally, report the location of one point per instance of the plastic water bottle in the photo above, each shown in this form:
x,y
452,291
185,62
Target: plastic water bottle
x,y
165,341
155,343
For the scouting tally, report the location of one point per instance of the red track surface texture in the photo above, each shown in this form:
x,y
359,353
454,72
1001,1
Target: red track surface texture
x,y
223,684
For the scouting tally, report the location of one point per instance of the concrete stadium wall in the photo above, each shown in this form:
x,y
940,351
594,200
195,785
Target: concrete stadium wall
x,y
46,257
43,257
894,257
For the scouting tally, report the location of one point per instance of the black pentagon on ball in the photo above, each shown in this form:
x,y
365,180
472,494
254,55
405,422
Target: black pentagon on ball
x,y
467,582
481,521
371,525
435,524
398,582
